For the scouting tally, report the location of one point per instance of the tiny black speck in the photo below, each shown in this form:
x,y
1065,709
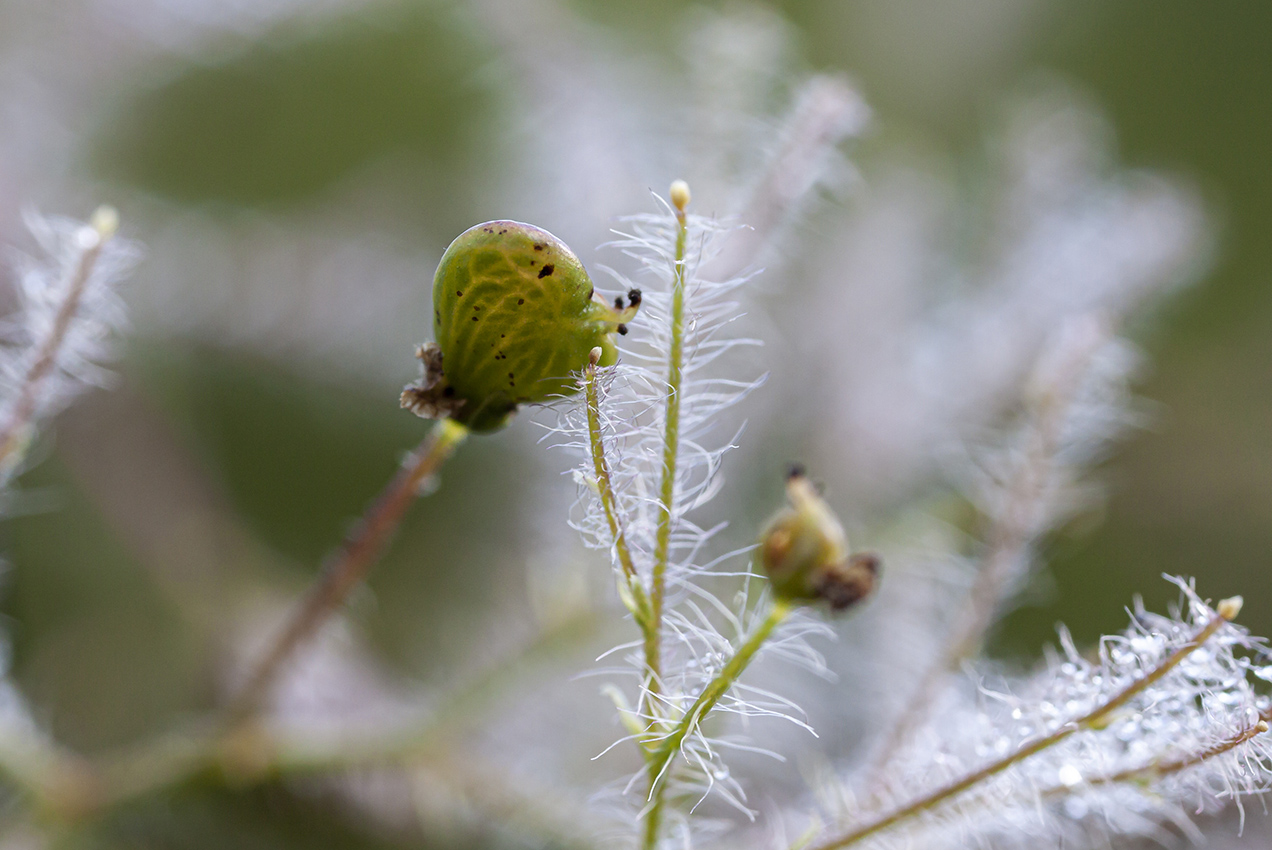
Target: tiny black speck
x,y
459,293
474,318
622,330
521,300
547,269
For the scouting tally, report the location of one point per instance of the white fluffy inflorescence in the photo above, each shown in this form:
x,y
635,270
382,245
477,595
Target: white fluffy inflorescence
x,y
60,333
700,630
1163,723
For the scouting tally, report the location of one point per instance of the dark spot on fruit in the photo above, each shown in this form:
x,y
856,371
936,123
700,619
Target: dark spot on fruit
x,y
510,375
501,336
474,318
622,330
448,392
590,293
546,270
437,314
476,307
522,300
539,246
459,293
634,296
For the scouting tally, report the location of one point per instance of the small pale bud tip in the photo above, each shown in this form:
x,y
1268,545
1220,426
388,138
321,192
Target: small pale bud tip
x,y
1261,726
1229,608
680,195
594,356
105,220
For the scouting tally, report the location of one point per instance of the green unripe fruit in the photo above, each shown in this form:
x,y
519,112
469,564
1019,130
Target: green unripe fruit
x,y
805,553
515,316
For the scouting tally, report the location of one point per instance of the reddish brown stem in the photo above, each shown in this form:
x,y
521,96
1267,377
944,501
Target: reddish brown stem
x,y
349,565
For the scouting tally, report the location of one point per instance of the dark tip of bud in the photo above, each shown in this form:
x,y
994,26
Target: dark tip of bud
x,y
845,584
618,303
622,330
633,296
796,470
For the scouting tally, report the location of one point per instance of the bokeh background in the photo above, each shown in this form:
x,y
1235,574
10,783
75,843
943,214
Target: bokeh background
x,y
295,170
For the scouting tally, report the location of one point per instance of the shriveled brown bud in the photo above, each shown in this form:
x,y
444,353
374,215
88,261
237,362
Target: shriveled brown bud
x,y
805,552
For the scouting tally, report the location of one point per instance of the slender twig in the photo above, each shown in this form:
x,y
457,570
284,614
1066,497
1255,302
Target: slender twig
x,y
1156,770
1091,719
634,590
13,433
349,565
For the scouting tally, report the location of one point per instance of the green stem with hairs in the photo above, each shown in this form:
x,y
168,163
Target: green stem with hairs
x,y
667,747
631,590
671,452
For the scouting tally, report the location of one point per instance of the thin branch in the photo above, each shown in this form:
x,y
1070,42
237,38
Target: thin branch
x,y
1156,770
349,565
1091,719
634,590
13,433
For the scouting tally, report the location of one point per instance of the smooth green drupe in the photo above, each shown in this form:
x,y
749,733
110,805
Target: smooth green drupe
x,y
515,318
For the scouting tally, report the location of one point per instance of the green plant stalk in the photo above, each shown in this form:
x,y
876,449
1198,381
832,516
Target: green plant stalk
x,y
633,594
661,761
671,452
1091,720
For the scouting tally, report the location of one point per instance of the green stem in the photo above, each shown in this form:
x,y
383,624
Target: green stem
x,y
634,595
669,746
1093,719
671,451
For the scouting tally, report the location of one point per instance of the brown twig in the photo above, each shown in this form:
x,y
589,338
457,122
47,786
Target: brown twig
x,y
348,566
26,406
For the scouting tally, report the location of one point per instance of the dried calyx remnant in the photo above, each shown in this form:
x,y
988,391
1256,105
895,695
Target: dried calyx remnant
x,y
515,316
805,552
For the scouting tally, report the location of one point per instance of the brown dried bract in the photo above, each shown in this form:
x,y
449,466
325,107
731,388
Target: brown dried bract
x,y
431,397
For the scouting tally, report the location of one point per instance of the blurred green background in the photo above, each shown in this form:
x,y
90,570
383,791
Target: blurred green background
x,y
261,128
